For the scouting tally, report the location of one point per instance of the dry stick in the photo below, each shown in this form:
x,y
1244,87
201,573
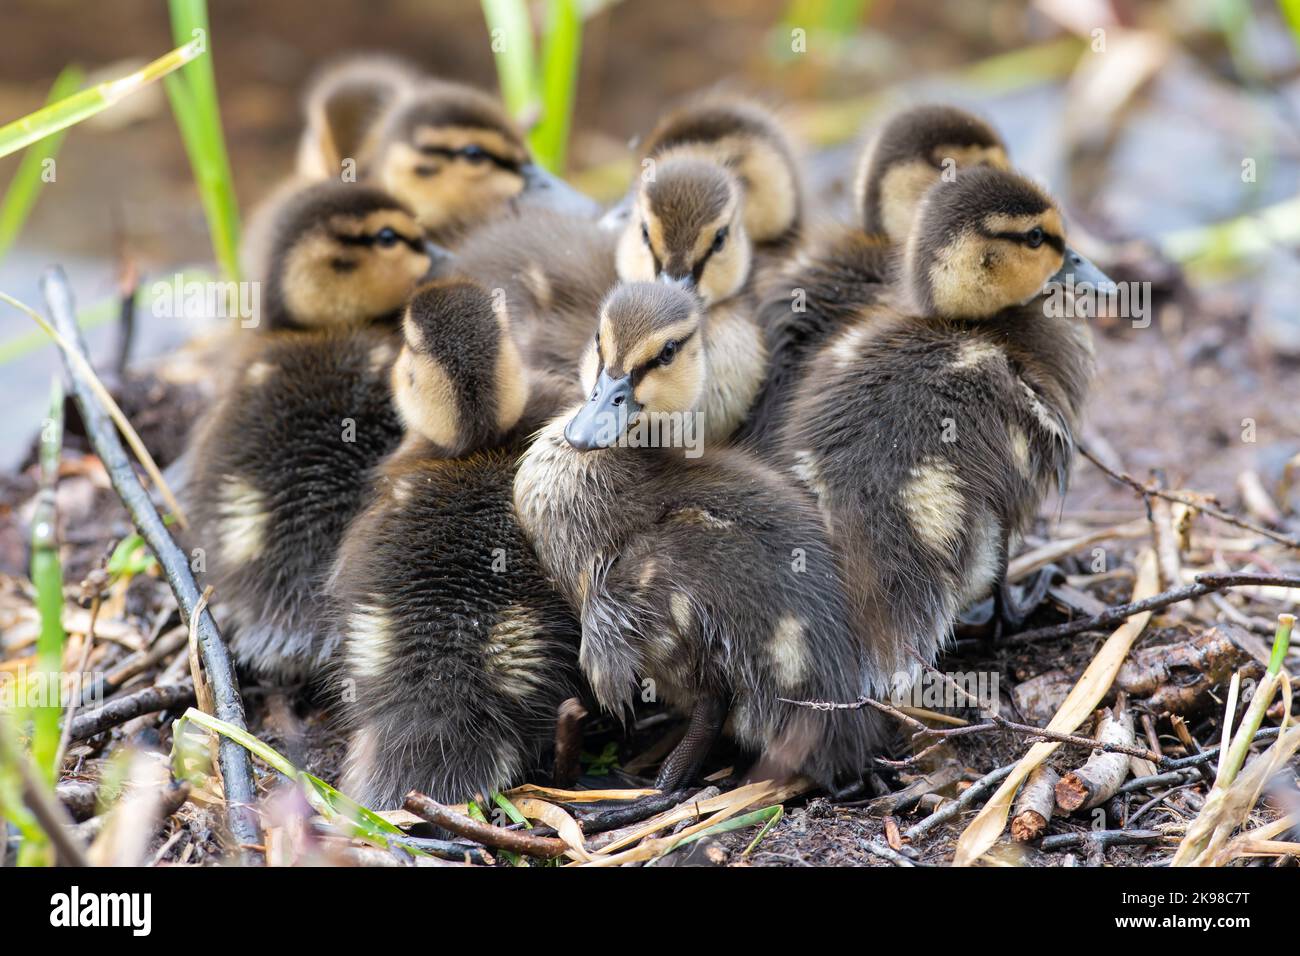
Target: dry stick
x,y
1205,507
236,764
516,842
1101,777
119,711
88,643
1205,584
976,791
1035,804
1101,838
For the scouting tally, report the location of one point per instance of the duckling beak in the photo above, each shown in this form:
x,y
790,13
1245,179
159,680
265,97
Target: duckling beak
x,y
546,189
603,420
1078,269
440,259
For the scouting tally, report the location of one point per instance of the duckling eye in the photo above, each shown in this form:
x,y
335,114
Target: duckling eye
x,y
667,353
645,234
1034,237
475,154
720,239
387,238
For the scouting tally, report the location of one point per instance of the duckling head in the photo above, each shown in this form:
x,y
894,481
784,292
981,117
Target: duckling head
x,y
687,229
647,358
459,380
986,241
911,152
343,255
451,152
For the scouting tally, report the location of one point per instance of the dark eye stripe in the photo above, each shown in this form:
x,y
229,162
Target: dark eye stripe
x,y
639,372
1056,242
448,153
367,241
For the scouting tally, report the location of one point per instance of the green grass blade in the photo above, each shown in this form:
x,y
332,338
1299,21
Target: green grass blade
x,y
767,816
511,34
357,820
1291,13
25,187
561,58
193,96
47,579
73,109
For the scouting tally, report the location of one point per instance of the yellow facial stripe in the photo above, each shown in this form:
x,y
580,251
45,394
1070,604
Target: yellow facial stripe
x,y
639,353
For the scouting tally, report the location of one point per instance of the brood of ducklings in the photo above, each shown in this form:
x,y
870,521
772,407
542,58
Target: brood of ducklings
x,y
708,580
845,268
458,651
281,462
930,433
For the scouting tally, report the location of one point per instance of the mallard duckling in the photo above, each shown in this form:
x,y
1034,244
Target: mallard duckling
x,y
456,651
708,581
688,230
553,270
929,433
453,154
745,138
281,462
344,104
845,268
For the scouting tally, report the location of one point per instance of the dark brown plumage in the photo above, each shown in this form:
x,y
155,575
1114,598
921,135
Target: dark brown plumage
x,y
709,582
457,652
845,268
281,462
929,434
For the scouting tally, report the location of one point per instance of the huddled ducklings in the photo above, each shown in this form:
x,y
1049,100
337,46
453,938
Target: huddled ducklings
x,y
930,432
457,651
845,268
709,579
281,462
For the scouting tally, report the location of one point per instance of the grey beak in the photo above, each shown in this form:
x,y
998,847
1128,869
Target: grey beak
x,y
686,283
440,259
1081,270
544,188
606,416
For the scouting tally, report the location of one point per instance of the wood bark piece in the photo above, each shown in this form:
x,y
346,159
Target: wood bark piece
x,y
1034,805
236,763
1101,777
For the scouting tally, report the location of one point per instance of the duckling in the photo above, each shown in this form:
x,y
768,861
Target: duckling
x,y
343,105
282,460
553,271
688,230
845,268
745,138
456,650
707,580
453,154
930,430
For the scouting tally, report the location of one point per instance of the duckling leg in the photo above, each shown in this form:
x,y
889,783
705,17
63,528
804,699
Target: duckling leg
x,y
568,743
1010,614
682,765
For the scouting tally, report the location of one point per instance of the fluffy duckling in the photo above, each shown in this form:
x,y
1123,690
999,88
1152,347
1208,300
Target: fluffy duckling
x,y
688,230
453,154
553,271
747,139
930,433
845,268
708,581
282,461
456,651
343,106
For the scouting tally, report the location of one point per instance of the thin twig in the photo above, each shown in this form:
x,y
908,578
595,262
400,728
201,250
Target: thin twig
x,y
119,711
1146,491
1205,584
516,842
236,766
